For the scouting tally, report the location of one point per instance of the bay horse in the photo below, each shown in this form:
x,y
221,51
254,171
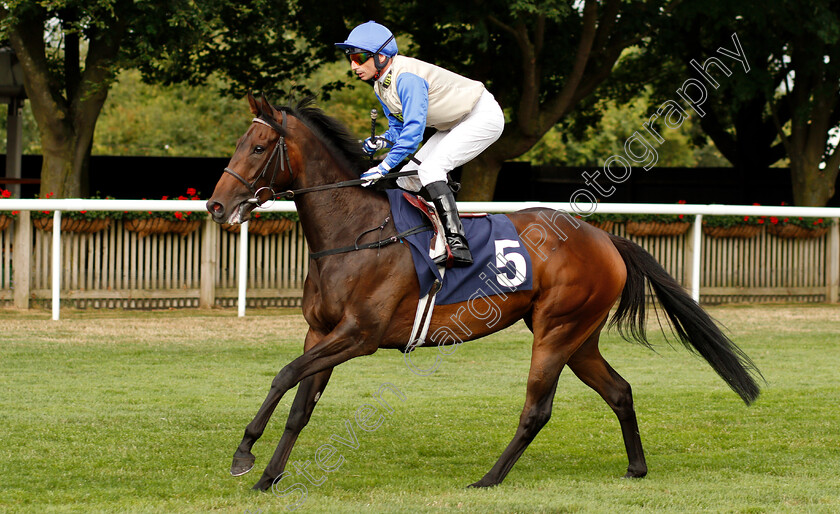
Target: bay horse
x,y
359,301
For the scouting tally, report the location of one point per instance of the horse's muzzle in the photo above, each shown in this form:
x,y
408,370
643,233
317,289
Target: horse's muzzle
x,y
216,210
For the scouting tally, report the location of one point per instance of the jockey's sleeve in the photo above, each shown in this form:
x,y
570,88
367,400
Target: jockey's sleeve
x,y
414,97
394,125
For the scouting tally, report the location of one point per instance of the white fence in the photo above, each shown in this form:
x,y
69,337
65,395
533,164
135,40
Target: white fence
x,y
211,262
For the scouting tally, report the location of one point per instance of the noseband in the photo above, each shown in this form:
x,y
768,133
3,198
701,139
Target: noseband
x,y
280,156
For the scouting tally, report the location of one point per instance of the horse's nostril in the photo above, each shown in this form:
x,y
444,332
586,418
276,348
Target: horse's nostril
x,y
215,208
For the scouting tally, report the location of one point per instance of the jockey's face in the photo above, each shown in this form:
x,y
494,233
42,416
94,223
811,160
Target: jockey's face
x,y
366,70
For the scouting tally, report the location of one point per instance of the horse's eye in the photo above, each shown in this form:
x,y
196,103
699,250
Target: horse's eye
x,y
259,149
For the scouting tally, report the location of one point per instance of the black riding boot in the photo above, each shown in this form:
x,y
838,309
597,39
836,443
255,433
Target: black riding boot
x,y
448,211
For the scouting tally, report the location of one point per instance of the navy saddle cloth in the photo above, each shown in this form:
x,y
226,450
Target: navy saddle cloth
x,y
501,263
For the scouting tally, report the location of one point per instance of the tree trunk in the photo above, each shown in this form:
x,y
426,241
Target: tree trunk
x,y
479,178
812,187
63,168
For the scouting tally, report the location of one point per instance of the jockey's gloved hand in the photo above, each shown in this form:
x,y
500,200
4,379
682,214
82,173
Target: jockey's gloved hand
x,y
373,145
373,174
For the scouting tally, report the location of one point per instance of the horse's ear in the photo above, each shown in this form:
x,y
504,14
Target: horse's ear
x,y
252,102
266,105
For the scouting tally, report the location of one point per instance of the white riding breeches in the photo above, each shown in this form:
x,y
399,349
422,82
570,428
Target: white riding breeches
x,y
448,149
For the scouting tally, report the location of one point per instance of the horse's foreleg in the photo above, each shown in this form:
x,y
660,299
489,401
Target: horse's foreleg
x,y
589,365
309,392
340,345
546,365
243,459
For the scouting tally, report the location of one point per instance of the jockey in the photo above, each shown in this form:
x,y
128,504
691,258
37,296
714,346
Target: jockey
x,y
415,95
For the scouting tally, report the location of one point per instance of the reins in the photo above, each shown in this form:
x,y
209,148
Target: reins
x,y
336,185
283,160
280,156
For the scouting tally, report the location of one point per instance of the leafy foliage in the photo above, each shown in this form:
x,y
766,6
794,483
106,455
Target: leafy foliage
x,y
660,218
191,194
5,193
78,215
733,221
784,106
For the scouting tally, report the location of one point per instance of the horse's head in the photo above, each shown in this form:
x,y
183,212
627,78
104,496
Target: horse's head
x,y
260,166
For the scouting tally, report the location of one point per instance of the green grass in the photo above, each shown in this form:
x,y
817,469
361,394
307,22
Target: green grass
x,y
141,412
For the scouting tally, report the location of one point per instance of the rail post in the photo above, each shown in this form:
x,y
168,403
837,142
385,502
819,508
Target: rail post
x,y
242,277
22,259
209,249
833,264
56,266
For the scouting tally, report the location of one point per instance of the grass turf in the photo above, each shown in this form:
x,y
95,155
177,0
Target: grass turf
x,y
141,412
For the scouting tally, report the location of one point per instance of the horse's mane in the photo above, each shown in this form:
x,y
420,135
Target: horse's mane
x,y
334,134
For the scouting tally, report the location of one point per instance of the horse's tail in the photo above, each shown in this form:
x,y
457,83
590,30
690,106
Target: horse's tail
x,y
696,330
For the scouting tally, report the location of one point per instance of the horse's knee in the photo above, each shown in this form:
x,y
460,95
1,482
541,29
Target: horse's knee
x,y
283,379
535,418
621,400
298,418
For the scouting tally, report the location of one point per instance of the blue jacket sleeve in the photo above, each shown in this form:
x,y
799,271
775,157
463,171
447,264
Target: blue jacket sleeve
x,y
394,125
414,96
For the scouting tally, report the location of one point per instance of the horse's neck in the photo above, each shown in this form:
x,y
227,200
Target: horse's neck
x,y
333,218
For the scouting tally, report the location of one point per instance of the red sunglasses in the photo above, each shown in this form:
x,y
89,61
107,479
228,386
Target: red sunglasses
x,y
360,57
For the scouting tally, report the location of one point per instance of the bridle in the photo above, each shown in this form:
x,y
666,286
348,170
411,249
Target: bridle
x,y
280,156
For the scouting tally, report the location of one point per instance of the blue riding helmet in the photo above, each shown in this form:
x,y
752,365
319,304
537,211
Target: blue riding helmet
x,y
370,37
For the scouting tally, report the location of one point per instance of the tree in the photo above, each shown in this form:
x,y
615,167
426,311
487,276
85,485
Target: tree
x,y
786,105
806,60
70,52
539,58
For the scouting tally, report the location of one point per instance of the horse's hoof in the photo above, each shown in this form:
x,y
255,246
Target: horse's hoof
x,y
242,464
483,483
635,474
263,485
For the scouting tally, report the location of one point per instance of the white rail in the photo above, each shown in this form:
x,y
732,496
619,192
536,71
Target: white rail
x,y
698,210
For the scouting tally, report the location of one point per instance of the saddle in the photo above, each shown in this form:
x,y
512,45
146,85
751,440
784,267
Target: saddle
x,y
438,246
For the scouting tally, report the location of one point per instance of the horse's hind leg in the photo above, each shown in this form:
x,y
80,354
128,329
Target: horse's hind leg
x,y
546,365
589,365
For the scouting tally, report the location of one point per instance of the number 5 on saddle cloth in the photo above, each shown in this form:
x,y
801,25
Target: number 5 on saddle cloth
x,y
501,263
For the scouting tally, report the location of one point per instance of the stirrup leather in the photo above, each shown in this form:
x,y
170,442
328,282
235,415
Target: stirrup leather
x,y
444,202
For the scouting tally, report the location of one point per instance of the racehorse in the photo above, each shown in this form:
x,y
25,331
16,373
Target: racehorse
x,y
356,302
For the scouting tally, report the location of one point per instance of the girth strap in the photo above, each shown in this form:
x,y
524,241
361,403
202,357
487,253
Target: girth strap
x,y
375,244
